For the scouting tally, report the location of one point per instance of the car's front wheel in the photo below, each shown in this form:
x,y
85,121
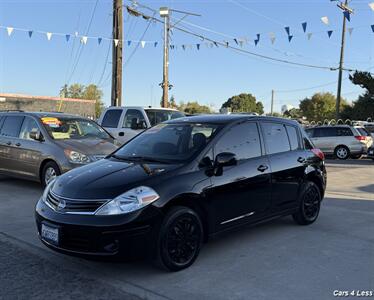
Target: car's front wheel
x,y
49,172
180,239
309,204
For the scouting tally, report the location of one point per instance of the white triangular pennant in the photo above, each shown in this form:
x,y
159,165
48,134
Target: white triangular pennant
x,y
325,20
309,35
10,30
272,37
142,43
84,40
49,35
371,5
76,33
350,30
116,42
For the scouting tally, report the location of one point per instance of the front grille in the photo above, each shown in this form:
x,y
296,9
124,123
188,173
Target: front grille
x,y
73,206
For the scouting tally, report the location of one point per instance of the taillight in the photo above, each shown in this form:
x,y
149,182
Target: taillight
x,y
318,153
360,138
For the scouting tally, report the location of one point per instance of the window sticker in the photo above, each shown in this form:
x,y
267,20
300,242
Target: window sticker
x,y
51,122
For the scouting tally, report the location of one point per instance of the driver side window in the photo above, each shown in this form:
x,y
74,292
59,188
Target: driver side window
x,y
243,140
28,126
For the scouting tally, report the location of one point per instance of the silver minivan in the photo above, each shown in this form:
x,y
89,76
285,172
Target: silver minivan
x,y
343,141
40,146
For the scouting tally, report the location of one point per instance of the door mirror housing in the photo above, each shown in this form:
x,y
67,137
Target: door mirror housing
x,y
225,159
36,135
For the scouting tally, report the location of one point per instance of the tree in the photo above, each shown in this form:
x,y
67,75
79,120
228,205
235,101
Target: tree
x,y
293,113
89,92
320,107
194,108
363,108
244,103
172,103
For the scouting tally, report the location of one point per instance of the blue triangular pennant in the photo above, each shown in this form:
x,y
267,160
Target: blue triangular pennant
x,y
372,28
290,38
287,30
256,42
347,15
184,47
155,44
99,40
198,46
227,44
329,33
258,36
30,33
67,37
128,43
215,43
236,41
304,25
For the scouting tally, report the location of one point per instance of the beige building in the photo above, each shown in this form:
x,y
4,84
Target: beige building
x,y
80,107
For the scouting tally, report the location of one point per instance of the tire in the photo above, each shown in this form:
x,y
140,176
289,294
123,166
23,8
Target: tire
x,y
50,169
309,205
179,240
342,152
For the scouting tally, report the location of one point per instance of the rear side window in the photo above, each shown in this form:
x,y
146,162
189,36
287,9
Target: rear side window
x,y
363,132
111,118
11,126
344,131
133,115
325,132
243,140
293,137
276,139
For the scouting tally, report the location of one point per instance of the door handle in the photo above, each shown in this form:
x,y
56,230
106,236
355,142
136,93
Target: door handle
x,y
9,143
301,159
121,133
18,144
262,168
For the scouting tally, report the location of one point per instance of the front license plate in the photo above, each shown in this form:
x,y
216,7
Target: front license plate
x,y
50,234
371,152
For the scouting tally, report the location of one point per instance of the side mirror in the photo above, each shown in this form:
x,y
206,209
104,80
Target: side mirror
x,y
136,124
36,135
224,159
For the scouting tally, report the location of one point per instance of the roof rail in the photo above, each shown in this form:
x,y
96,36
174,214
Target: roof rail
x,y
11,110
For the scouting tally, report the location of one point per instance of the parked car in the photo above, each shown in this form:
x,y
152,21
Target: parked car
x,y
367,139
370,128
342,141
126,122
40,146
175,185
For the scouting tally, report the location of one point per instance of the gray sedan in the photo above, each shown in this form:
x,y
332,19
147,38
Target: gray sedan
x,y
41,146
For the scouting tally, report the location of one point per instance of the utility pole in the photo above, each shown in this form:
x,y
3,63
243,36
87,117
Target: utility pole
x,y
116,98
345,8
165,13
272,103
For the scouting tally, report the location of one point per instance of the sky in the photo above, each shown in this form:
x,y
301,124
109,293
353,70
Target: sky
x,y
210,75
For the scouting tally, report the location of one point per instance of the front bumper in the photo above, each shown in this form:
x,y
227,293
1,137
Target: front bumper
x,y
100,235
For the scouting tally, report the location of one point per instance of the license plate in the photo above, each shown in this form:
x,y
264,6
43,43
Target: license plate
x,y
50,234
371,152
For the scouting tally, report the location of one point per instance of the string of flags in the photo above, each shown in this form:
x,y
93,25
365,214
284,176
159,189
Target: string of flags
x,y
237,41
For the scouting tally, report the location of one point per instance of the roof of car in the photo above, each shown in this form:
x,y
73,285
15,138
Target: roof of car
x,y
41,114
142,107
226,119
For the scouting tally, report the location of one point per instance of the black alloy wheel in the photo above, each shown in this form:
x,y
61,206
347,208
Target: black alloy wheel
x,y
310,203
180,239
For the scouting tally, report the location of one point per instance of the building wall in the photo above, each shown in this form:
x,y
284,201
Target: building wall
x,y
80,107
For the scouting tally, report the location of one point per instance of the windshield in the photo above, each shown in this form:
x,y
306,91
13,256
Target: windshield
x,y
157,116
169,142
73,128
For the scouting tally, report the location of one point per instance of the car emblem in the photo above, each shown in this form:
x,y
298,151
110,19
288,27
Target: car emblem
x,y
61,205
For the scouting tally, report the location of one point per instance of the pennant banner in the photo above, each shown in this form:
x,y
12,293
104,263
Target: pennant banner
x,y
350,30
304,25
84,40
67,37
371,5
347,15
325,20
115,42
142,43
9,30
30,33
290,38
310,35
49,35
329,33
287,30
99,40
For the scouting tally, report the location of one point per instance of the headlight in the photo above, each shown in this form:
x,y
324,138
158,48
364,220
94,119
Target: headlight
x,y
47,189
130,201
77,157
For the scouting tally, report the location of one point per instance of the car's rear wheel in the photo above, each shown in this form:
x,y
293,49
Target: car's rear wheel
x,y
180,239
309,204
342,152
49,172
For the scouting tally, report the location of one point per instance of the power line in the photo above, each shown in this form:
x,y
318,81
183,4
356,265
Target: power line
x,y
215,42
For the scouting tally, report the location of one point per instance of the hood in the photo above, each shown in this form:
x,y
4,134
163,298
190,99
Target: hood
x,y
107,178
89,146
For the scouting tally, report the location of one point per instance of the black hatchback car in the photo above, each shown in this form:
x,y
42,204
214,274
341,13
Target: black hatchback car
x,y
173,186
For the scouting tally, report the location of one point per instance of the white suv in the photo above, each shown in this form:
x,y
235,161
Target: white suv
x,y
124,123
